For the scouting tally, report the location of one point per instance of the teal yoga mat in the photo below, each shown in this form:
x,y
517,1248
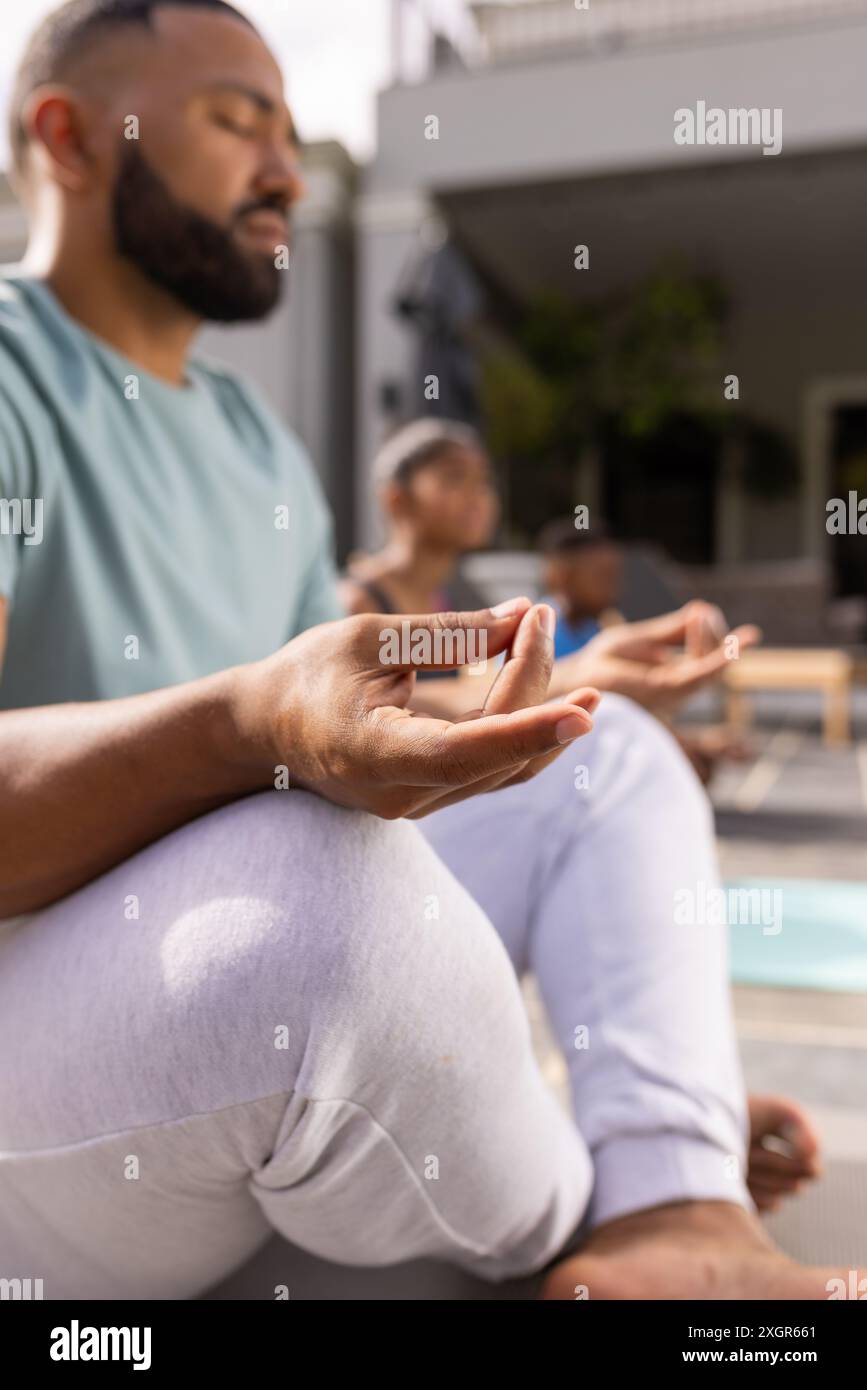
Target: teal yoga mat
x,y
822,940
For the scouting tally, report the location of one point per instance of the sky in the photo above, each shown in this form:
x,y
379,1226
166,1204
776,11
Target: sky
x,y
336,55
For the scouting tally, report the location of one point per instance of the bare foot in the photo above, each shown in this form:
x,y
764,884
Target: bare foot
x,y
784,1150
701,1250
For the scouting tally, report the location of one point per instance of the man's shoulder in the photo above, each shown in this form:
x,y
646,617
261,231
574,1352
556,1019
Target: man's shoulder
x,y
18,322
27,338
13,302
22,349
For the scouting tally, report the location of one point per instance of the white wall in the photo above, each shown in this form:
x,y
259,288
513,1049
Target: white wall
x,y
572,115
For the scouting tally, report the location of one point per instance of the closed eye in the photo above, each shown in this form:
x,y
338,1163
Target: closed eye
x,y
246,132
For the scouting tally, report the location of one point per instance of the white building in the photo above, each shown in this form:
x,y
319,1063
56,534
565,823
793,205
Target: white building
x,y
557,128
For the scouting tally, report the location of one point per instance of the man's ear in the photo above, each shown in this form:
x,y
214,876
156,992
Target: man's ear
x,y
57,135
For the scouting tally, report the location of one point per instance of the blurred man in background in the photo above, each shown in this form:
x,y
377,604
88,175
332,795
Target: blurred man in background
x,y
582,572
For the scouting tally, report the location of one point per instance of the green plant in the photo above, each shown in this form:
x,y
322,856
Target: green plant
x,y
627,365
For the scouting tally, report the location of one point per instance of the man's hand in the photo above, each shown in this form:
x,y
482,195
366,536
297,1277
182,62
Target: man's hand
x,y
658,663
329,710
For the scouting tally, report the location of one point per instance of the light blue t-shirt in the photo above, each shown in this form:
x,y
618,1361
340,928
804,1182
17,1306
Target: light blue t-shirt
x,y
149,534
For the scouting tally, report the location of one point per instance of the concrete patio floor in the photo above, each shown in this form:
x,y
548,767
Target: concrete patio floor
x,y
800,811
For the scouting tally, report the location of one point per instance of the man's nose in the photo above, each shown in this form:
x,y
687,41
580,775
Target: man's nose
x,y
281,174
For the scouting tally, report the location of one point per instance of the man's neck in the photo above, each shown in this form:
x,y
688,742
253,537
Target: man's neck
x,y
116,303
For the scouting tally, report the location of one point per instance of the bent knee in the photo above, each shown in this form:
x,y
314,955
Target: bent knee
x,y
324,933
632,753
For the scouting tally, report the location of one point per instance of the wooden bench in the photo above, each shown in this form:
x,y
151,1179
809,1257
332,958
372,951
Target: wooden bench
x,y
793,668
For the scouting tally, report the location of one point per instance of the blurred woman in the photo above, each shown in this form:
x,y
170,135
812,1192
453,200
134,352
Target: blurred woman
x,y
436,488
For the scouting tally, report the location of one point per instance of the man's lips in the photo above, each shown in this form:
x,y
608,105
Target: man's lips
x,y
266,224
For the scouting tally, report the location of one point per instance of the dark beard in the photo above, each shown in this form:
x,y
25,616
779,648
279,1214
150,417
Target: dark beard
x,y
192,258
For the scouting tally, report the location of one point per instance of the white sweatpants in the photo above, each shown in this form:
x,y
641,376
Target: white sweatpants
x,y
291,1016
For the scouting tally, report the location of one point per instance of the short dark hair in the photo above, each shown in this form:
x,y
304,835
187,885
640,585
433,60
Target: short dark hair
x,y
561,537
65,33
420,442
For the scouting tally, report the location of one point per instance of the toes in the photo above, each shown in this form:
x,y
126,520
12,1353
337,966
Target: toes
x,y
769,1196
778,1116
769,1163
